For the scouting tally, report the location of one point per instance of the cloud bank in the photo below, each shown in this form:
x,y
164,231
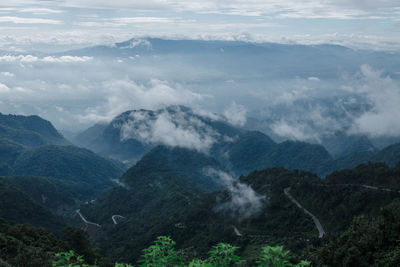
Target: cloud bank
x,y
383,94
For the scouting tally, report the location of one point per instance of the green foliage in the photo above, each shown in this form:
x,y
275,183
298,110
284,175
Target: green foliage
x,y
274,257
277,257
161,254
123,265
365,242
224,255
25,245
69,259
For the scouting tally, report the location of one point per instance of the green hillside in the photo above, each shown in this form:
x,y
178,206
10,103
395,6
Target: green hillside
x,y
30,131
17,207
67,163
59,196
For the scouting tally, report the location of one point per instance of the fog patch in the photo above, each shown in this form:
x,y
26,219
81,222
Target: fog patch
x,y
243,201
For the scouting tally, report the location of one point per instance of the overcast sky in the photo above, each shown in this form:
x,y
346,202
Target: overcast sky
x,y
65,24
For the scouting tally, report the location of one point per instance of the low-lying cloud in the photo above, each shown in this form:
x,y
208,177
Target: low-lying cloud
x,y
243,201
170,127
123,95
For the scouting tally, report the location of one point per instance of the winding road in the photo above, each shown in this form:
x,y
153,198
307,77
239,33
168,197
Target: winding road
x,y
236,231
315,219
86,221
116,216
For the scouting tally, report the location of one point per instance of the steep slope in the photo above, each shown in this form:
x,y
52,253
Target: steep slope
x,y
68,163
19,133
59,196
9,152
133,133
30,131
178,162
298,155
17,207
390,155
26,245
344,194
161,186
87,137
244,154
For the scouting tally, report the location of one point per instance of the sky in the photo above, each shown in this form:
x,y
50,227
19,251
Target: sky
x,y
64,24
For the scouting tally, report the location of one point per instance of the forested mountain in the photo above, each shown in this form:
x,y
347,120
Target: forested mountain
x,y
68,163
133,133
31,146
60,196
18,207
30,131
26,245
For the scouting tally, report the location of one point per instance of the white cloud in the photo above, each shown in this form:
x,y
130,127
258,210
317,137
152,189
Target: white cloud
x,y
244,202
236,114
50,59
174,129
7,74
384,96
66,59
19,20
40,11
291,8
313,79
143,20
122,95
4,88
290,130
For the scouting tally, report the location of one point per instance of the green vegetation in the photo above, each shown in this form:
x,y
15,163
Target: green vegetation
x,y
163,254
57,195
17,207
25,245
373,242
30,131
68,163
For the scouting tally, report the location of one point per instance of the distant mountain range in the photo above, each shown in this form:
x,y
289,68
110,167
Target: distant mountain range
x,y
292,59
